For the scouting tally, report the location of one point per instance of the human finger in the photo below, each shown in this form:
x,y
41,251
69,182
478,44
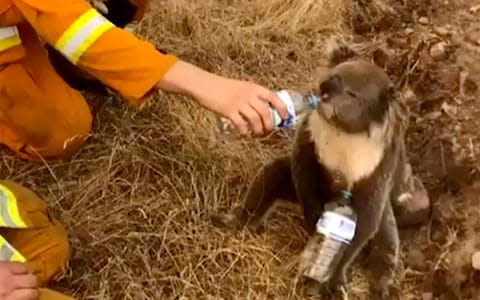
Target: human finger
x,y
253,118
239,123
25,281
16,268
24,294
265,114
274,100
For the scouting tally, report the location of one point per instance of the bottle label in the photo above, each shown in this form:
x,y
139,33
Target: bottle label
x,y
336,226
287,100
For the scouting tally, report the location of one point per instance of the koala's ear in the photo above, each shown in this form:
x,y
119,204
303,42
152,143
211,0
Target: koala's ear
x,y
338,52
382,58
389,94
387,97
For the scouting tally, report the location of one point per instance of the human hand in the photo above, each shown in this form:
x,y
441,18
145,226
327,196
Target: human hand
x,y
16,283
243,103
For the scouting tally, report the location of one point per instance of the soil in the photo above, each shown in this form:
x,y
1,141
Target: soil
x,y
433,54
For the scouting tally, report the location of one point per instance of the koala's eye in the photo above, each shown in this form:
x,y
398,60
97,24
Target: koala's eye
x,y
351,94
332,85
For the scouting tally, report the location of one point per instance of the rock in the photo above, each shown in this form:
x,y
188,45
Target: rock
x,y
456,148
438,50
450,110
433,115
475,8
409,30
448,77
473,35
476,260
409,96
423,20
441,31
438,236
416,259
427,296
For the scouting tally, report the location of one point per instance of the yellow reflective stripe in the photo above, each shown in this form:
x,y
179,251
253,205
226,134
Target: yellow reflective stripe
x,y
9,214
17,257
9,253
82,34
9,37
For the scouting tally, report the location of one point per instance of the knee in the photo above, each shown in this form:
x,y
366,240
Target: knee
x,y
65,136
44,243
56,261
71,141
71,133
51,259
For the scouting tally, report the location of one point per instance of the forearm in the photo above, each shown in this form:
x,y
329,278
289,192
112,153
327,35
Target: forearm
x,y
187,79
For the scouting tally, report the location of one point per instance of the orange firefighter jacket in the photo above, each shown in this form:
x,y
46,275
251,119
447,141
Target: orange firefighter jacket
x,y
88,40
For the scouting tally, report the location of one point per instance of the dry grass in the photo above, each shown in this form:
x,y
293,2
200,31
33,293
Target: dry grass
x,y
136,199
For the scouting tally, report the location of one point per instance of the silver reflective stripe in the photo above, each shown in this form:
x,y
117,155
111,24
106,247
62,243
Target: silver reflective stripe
x,y
4,211
8,32
82,35
6,252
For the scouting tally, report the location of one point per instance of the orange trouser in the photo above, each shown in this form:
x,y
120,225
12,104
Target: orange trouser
x,y
44,244
40,115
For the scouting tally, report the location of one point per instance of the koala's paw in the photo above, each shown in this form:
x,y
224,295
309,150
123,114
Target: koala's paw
x,y
385,292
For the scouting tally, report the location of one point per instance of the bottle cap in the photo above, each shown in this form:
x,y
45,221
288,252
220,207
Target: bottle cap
x,y
313,100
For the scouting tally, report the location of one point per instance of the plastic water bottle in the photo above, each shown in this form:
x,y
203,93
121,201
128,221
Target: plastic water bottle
x,y
335,231
296,103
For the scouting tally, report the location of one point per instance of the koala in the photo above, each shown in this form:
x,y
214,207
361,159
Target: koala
x,y
353,141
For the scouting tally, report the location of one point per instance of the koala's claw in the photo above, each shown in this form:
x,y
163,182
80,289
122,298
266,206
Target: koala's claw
x,y
385,292
224,221
337,283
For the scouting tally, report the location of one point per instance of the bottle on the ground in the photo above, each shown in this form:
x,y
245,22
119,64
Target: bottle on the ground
x,y
335,230
296,103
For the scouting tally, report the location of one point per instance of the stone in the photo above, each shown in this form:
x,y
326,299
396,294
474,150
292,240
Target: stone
x,y
423,20
476,260
427,296
416,259
433,115
409,96
441,31
438,50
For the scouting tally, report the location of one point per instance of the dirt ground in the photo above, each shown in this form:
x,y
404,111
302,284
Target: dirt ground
x,y
137,198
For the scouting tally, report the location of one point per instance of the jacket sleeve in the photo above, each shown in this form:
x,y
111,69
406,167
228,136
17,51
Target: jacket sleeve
x,y
117,58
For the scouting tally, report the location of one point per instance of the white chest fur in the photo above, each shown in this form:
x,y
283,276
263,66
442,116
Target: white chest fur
x,y
354,155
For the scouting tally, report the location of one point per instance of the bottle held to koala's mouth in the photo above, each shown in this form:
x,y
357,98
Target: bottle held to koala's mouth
x,y
335,230
297,105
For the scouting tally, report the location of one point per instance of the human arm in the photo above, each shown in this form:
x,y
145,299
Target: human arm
x,y
133,67
239,101
16,283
